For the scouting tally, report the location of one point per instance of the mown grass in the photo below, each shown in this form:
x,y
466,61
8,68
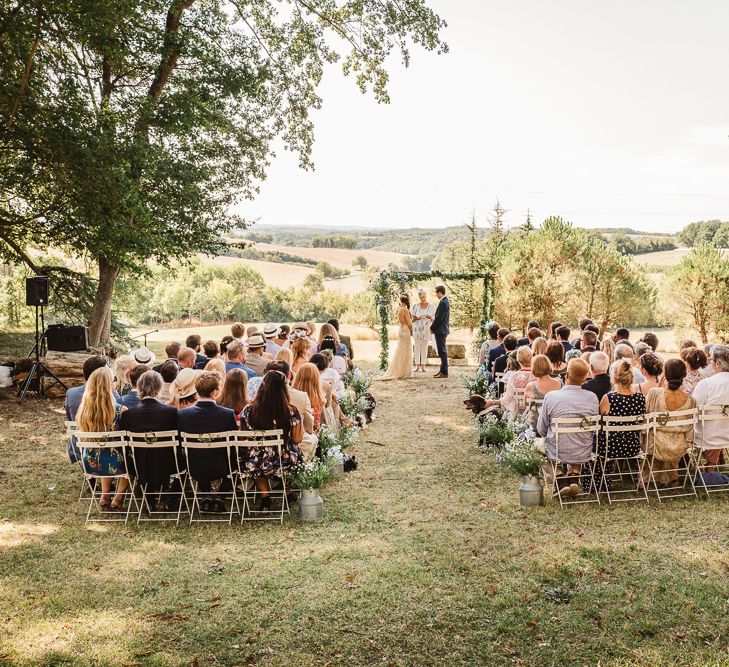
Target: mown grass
x,y
424,558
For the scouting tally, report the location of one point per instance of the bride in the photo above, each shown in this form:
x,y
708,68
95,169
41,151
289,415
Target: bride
x,y
401,365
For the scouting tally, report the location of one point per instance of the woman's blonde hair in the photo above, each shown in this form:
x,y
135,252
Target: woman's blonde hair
x,y
285,354
541,365
300,349
608,347
621,373
217,365
122,366
308,380
98,408
328,330
539,346
524,356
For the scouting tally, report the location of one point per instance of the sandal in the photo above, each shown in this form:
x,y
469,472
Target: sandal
x,y
116,508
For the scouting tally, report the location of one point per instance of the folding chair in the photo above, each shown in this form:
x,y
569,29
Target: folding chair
x,y
709,413
158,440
520,399
210,441
249,440
71,430
669,422
628,424
498,380
100,441
569,425
534,405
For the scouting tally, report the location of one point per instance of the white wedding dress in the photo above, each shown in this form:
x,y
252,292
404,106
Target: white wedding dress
x,y
401,365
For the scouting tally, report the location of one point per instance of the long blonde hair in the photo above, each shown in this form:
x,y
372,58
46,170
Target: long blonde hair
x,y
98,408
539,346
217,365
308,380
300,350
285,354
122,366
608,347
328,330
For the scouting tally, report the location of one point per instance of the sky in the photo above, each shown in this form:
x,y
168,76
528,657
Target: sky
x,y
610,114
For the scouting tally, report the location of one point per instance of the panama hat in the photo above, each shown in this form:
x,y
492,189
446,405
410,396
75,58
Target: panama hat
x,y
256,340
184,383
270,330
144,356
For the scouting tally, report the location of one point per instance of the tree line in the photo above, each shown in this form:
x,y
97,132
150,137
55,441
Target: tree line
x,y
711,231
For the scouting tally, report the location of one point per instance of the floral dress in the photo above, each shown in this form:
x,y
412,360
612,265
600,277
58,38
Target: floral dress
x,y
691,380
264,461
105,462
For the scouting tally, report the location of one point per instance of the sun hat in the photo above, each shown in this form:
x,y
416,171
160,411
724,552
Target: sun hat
x,y
256,340
300,326
184,384
270,330
144,356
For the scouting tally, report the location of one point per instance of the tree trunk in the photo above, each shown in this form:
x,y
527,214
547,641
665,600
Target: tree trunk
x,y
100,320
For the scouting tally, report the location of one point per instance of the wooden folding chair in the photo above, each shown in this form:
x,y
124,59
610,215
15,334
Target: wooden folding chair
x,y
251,440
628,424
699,462
569,425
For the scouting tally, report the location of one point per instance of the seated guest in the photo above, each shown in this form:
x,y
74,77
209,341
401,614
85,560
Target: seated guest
x,y
331,375
608,347
555,354
282,336
217,365
75,394
490,342
182,389
572,401
596,331
270,331
301,349
98,413
327,331
131,400
171,351
186,357
497,350
714,390
709,370
285,354
302,330
625,352
271,409
168,371
600,384
651,367
206,416
237,330
541,369
539,345
563,336
254,357
518,380
687,342
695,361
622,335
588,341
338,362
301,401
237,359
235,392
667,443
332,415
650,339
194,342
499,366
532,333
144,356
553,330
152,468
226,340
211,349
640,348
582,325
251,330
309,381
623,401
122,367
345,340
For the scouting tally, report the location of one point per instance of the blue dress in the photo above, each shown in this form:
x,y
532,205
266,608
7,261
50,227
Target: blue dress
x,y
105,462
264,461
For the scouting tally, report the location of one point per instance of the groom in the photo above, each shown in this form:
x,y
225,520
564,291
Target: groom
x,y
440,328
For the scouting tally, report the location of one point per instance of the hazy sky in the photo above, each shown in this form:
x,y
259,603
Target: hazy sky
x,y
607,113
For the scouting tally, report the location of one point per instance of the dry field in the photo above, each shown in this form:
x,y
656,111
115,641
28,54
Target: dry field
x,y
339,257
666,258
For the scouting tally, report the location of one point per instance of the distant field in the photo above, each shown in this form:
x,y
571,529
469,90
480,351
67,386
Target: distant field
x,y
339,257
666,257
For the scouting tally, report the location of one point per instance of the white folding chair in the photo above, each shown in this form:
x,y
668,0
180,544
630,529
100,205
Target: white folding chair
x,y
210,441
519,396
251,440
100,441
622,464
71,429
709,414
669,422
158,440
562,426
534,405
498,380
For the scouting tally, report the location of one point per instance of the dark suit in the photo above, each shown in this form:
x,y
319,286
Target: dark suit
x,y
599,385
130,400
494,354
200,361
153,467
158,366
206,416
566,345
523,341
441,328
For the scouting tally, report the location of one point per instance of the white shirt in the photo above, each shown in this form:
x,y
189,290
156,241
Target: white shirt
x,y
332,377
713,391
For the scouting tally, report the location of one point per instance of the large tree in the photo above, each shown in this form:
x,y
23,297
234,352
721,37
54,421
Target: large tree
x,y
130,127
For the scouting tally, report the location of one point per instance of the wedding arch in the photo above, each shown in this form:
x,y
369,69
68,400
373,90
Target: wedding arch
x,y
390,284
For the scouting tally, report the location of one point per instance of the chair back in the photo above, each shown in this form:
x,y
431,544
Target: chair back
x,y
247,440
100,440
498,380
208,440
519,393
566,425
71,428
711,413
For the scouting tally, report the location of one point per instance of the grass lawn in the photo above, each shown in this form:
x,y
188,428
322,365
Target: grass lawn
x,y
424,558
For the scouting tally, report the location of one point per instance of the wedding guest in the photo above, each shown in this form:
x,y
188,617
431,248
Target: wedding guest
x,y
687,342
206,416
186,357
532,333
271,409
309,381
300,400
488,344
714,390
301,351
572,401
539,388
582,325
588,341
608,347
330,375
283,335
651,339
555,354
182,389
226,340
234,393
563,336
622,335
144,356
422,313
211,349
285,354
217,365
640,348
345,340
172,349
539,345
600,383
168,371
299,331
625,352
251,331
651,367
194,342
695,361
499,366
122,367
270,331
237,359
99,413
668,444
510,401
237,330
553,330
338,363
254,357
497,350
131,400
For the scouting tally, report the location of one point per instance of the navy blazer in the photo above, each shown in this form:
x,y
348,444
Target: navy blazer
x,y
494,354
206,416
153,467
599,385
442,319
130,400
200,361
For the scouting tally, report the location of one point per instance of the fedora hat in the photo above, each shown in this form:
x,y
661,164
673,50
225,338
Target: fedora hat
x,y
270,330
256,340
144,356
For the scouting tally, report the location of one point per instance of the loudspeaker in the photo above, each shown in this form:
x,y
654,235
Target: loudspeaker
x,y
36,291
62,338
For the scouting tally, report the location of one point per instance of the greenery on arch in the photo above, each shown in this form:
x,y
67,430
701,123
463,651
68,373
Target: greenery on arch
x,y
390,284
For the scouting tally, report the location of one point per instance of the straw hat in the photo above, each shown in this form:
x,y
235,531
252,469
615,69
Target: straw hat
x,y
271,330
144,356
184,384
256,340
